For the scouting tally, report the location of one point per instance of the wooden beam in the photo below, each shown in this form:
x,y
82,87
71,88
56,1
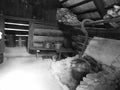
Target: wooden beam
x,y
97,22
80,3
117,19
87,11
94,10
101,30
100,7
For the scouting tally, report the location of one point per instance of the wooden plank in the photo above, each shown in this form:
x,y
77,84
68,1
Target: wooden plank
x,y
94,10
104,21
48,32
87,11
64,50
39,31
80,3
44,26
98,22
18,24
40,45
101,30
16,27
47,38
57,50
38,22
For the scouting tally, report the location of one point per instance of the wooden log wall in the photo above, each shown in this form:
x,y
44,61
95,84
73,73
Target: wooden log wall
x,y
47,37
77,37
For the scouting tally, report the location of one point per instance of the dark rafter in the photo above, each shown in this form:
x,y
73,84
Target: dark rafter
x,y
63,1
100,7
87,11
80,3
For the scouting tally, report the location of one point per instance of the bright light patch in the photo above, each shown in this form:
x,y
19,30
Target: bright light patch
x,y
19,80
0,35
12,29
20,24
28,76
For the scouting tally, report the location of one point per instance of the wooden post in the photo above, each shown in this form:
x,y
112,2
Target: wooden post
x,y
2,44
